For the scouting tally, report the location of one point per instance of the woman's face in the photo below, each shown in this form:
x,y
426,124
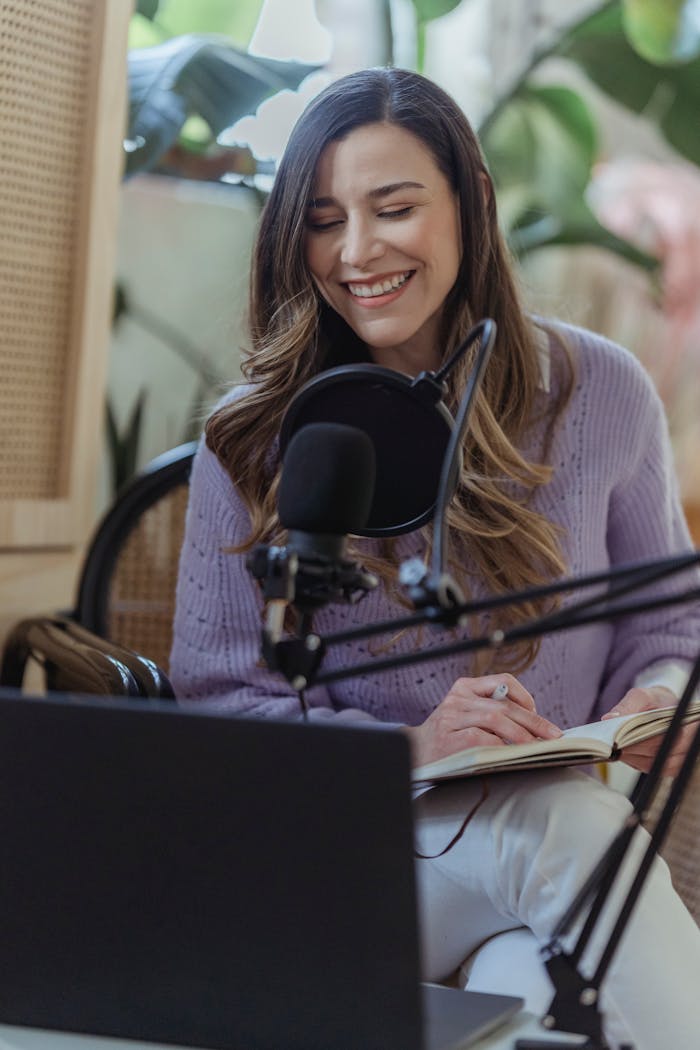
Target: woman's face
x,y
383,242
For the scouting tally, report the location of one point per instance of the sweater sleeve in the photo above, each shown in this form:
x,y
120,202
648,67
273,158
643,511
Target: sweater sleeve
x,y
215,655
646,522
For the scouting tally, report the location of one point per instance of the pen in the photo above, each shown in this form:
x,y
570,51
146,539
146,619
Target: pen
x,y
500,692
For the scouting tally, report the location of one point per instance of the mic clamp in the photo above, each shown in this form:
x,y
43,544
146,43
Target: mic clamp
x,y
295,576
437,593
309,578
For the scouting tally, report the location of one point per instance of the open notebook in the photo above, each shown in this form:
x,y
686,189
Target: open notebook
x,y
594,742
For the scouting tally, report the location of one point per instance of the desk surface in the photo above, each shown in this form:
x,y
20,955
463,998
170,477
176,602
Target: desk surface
x,y
524,1025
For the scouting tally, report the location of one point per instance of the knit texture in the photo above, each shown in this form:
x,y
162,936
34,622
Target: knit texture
x,y
613,492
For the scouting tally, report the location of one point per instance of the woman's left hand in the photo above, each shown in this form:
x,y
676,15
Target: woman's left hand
x,y
641,756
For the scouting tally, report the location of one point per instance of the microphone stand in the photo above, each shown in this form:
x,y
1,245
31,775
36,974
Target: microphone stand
x,y
436,587
310,579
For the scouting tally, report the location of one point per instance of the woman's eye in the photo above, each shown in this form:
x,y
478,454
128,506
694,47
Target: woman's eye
x,y
327,224
396,213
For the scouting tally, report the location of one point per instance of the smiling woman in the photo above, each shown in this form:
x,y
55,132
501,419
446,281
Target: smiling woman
x,y
383,242
380,243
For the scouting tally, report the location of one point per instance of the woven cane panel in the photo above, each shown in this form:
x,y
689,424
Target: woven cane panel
x,y
44,95
142,592
682,847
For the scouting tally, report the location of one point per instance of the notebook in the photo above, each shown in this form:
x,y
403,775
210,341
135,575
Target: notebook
x,y
190,878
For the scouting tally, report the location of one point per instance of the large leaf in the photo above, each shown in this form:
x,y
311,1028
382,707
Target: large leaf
x,y
427,10
196,75
668,96
540,150
123,446
147,8
663,31
577,227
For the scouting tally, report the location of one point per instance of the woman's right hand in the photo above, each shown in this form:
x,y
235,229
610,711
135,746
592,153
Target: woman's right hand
x,y
469,717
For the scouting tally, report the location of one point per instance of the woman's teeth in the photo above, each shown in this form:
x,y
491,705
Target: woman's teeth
x,y
389,284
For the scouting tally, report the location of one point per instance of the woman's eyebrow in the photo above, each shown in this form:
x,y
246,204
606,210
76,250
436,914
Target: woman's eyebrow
x,y
393,187
380,191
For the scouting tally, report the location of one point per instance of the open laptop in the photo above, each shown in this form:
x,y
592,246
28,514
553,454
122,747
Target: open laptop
x,y
181,877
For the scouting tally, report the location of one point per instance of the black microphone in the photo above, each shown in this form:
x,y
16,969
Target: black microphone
x,y
417,444
326,490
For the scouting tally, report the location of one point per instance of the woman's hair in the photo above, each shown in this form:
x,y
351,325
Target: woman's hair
x,y
294,335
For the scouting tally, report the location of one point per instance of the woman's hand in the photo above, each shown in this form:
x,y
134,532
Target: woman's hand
x,y
641,756
470,716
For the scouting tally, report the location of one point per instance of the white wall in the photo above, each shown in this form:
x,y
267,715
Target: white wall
x,y
184,252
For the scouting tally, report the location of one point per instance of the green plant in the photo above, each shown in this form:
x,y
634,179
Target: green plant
x,y
186,89
541,140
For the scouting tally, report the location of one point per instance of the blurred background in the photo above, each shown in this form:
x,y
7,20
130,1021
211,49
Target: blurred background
x,y
588,114
139,141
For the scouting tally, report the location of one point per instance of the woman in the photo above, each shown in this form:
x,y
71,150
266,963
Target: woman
x,y
380,243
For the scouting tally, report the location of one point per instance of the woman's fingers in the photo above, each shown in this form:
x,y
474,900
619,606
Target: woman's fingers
x,y
641,756
488,684
513,720
470,716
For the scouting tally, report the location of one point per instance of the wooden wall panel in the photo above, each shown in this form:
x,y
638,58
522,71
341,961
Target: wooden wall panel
x,y
62,116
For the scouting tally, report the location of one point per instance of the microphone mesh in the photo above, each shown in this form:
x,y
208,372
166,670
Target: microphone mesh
x,y
327,481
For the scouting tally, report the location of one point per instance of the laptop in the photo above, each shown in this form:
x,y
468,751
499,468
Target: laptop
x,y
183,877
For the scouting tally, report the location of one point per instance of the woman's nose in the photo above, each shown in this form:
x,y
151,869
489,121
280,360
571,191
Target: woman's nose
x,y
362,243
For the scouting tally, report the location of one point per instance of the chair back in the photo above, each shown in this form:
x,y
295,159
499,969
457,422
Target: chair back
x,y
126,592
681,850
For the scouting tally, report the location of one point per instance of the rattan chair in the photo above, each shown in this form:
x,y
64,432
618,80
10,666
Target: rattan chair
x,y
117,639
681,849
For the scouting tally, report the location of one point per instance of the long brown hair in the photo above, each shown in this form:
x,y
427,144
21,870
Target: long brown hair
x,y
294,335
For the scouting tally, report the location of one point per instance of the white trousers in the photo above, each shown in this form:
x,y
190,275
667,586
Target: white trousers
x,y
519,863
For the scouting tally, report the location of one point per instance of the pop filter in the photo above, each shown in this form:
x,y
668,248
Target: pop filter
x,y
409,425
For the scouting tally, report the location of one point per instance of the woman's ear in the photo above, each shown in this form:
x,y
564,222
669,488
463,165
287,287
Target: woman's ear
x,y
486,187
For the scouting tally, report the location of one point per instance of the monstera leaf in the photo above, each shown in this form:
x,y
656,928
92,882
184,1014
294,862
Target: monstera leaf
x,y
663,31
540,149
668,95
426,10
196,75
541,142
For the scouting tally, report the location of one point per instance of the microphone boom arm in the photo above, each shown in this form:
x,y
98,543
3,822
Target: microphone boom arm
x,y
575,1005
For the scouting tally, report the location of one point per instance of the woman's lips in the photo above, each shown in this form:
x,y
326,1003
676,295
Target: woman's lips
x,y
380,290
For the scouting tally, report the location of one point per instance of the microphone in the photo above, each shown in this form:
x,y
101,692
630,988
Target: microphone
x,y
418,449
326,490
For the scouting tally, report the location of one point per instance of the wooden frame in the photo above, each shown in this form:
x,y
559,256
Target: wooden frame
x,y
44,527
62,518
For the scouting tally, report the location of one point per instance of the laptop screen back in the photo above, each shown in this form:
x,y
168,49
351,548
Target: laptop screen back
x,y
188,878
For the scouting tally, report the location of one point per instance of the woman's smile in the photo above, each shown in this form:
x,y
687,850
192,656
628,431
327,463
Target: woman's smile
x,y
379,290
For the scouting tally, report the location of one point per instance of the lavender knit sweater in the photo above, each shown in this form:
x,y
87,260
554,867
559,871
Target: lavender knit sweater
x,y
614,493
